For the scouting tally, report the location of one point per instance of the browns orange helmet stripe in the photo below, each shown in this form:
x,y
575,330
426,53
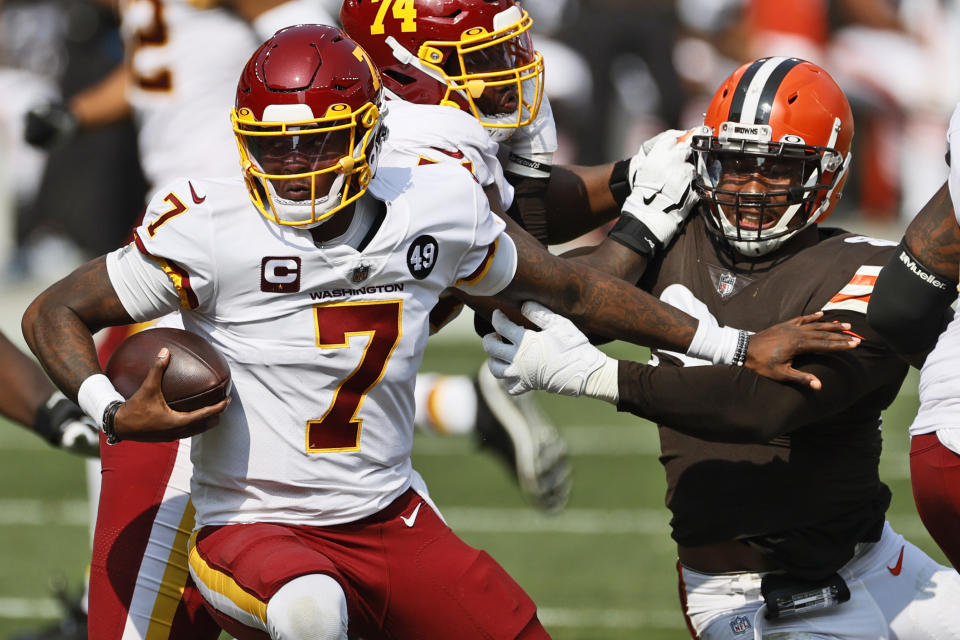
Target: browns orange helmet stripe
x,y
762,79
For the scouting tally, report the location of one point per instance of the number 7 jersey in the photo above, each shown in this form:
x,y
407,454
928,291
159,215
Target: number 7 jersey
x,y
323,342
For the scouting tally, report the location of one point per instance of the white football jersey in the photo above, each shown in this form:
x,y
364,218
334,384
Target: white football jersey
x,y
185,64
425,134
940,376
323,343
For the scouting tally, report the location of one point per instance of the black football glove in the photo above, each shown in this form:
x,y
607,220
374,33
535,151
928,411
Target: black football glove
x,y
65,425
50,125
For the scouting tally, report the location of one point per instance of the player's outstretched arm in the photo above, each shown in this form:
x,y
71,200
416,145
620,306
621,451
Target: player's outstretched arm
x,y
28,398
735,405
23,386
606,306
59,327
596,302
910,304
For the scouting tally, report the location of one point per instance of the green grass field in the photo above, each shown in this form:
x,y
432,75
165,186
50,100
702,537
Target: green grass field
x,y
603,570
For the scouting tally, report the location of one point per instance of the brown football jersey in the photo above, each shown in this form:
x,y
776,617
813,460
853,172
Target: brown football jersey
x,y
811,490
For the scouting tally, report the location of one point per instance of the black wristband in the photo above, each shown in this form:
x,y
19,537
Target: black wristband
x,y
524,161
109,414
620,186
635,235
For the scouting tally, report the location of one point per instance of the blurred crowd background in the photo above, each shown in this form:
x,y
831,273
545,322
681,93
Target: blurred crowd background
x,y
617,72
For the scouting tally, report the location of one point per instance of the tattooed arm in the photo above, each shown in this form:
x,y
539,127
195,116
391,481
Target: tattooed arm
x,y
607,306
59,327
910,304
934,236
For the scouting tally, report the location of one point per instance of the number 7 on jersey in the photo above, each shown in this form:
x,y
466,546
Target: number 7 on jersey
x,y
336,324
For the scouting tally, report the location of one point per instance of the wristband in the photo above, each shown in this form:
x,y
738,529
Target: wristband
x,y
717,344
95,395
108,417
743,343
620,186
635,235
534,165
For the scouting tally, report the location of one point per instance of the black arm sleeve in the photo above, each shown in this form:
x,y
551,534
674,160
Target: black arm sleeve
x,y
910,305
733,404
529,207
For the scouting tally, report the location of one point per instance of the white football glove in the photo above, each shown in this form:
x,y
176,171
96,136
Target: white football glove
x,y
532,147
558,358
662,194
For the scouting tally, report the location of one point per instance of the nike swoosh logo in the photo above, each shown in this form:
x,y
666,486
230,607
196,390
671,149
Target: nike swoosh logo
x,y
413,516
457,154
197,199
647,201
895,570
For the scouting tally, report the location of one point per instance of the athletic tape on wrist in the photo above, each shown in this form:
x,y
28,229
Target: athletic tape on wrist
x,y
95,395
715,344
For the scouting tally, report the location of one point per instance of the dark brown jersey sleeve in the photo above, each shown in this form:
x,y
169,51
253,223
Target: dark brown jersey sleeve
x,y
732,404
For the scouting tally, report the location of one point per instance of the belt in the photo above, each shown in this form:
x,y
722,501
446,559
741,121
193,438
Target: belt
x,y
729,556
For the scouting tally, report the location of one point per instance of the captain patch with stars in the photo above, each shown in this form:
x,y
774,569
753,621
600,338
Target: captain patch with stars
x,y
421,256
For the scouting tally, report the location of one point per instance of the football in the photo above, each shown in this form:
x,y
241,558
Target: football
x,y
197,376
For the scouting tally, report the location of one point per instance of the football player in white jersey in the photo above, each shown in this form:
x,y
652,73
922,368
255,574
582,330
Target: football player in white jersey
x,y
308,512
911,308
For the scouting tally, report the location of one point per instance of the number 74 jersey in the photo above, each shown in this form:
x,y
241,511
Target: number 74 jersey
x,y
323,342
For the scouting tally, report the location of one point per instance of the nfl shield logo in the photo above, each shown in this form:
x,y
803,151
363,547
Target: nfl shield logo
x,y
740,625
360,273
725,285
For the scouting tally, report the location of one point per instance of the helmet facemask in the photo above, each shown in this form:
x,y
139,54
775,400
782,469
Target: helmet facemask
x,y
495,75
301,169
757,193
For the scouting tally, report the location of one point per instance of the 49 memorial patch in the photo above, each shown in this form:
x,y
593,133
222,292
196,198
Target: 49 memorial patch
x,y
422,256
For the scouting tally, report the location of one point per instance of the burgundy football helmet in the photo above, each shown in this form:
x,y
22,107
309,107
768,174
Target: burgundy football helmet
x,y
773,153
308,124
475,55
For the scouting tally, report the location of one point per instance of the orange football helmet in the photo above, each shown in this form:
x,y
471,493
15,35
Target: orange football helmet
x,y
773,152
